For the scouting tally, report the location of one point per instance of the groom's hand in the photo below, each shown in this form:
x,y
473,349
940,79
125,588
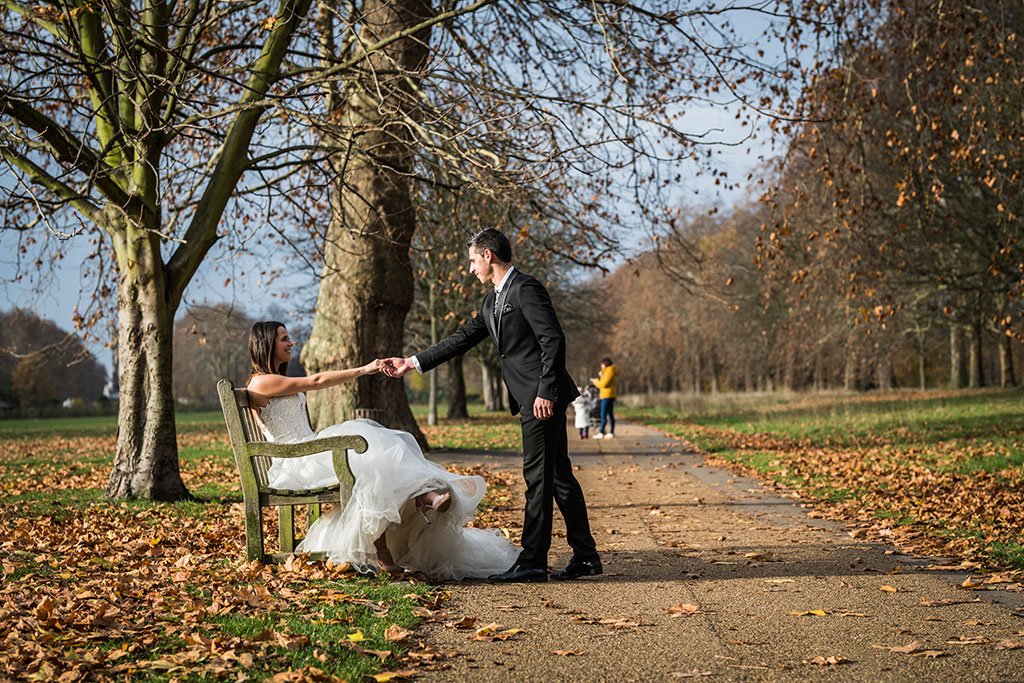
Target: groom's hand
x,y
397,367
543,408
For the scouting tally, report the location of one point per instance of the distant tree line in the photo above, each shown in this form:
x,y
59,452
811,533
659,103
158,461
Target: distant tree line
x,y
887,249
41,365
747,329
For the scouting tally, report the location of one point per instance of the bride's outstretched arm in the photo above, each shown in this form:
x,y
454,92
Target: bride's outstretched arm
x,y
280,385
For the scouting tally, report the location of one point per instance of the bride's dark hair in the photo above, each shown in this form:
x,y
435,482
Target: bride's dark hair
x,y
261,348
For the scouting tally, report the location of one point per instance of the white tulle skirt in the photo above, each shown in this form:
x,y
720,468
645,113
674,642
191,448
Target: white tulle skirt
x,y
389,476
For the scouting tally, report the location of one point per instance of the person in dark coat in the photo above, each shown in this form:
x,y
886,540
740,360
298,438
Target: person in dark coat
x,y
520,319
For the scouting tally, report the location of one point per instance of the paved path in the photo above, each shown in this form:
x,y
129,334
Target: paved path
x,y
736,563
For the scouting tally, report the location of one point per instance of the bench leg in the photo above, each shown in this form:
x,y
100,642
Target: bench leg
x,y
286,528
314,513
254,549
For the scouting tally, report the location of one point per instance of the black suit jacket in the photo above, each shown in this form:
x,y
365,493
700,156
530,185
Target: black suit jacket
x,y
529,341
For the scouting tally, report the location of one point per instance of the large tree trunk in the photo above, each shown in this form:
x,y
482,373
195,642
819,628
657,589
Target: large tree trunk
x,y
1007,377
850,382
922,362
697,372
432,377
884,374
493,386
432,399
957,366
146,460
976,358
456,389
367,284
789,370
715,370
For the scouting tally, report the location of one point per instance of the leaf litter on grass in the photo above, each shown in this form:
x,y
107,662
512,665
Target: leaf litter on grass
x,y
96,589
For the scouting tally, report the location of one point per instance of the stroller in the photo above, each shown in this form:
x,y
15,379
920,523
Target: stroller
x,y
592,395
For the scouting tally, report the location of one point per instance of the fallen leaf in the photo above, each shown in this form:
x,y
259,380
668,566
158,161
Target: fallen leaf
x,y
1007,644
567,653
683,610
810,613
827,661
696,673
900,649
889,589
946,601
385,676
396,633
761,557
930,654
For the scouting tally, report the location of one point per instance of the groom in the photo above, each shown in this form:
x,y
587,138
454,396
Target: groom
x,y
519,318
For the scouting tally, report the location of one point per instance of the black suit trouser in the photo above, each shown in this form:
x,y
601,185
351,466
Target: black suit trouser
x,y
548,475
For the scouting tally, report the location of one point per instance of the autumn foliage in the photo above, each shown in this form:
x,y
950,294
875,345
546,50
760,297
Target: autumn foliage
x,y
99,590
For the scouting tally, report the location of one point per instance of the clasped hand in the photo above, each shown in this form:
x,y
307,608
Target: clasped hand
x,y
396,367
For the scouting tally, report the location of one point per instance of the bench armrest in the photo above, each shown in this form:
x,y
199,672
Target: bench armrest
x,y
302,448
339,447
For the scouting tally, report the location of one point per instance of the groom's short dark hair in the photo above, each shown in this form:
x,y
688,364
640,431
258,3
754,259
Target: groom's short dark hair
x,y
489,238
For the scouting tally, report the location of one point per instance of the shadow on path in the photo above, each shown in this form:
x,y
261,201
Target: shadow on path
x,y
710,574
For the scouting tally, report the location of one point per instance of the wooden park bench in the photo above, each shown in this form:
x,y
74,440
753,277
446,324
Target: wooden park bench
x,y
253,455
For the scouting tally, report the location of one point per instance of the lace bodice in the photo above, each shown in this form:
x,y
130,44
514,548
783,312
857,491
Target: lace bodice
x,y
285,419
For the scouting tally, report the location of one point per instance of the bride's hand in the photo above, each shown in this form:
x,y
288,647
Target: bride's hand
x,y
373,367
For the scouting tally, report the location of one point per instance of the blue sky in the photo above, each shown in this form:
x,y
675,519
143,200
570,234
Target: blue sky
x,y
63,290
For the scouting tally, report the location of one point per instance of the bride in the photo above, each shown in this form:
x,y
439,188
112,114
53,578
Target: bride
x,y
405,511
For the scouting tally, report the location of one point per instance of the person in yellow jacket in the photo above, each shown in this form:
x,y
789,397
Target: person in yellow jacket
x,y
606,383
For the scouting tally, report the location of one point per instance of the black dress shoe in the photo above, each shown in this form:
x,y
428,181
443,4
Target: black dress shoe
x,y
577,568
520,574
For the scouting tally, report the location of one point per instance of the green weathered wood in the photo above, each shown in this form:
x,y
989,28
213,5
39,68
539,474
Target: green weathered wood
x,y
249,448
286,528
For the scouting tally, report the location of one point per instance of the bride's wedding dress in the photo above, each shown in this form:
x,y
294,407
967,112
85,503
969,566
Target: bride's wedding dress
x,y
389,476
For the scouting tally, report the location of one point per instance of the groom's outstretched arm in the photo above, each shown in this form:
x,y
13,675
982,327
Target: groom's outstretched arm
x,y
461,341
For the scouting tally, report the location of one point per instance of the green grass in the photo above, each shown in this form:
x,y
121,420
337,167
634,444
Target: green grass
x,y
98,425
329,627
420,410
979,431
491,430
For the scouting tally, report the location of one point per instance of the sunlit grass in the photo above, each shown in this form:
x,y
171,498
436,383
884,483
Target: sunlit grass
x,y
489,430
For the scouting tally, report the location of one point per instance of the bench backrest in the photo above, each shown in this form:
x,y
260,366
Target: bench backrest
x,y
243,428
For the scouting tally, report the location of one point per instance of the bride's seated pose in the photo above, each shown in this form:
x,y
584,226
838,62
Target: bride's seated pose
x,y
405,511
